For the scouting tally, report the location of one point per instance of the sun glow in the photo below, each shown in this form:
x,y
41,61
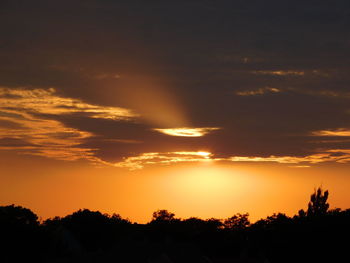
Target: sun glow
x,y
187,132
205,190
204,180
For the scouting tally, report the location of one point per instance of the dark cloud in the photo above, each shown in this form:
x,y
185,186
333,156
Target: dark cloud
x,y
201,54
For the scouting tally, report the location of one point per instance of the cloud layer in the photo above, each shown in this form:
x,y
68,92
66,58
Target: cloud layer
x,y
106,80
28,123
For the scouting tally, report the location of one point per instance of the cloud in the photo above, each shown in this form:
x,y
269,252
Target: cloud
x,y
259,91
319,92
49,138
342,132
22,120
45,101
280,72
187,132
138,162
332,155
167,158
316,158
28,125
175,73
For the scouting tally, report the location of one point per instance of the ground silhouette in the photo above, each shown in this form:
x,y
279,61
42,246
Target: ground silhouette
x,y
315,235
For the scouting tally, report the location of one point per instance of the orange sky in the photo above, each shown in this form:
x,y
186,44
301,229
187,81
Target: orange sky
x,y
203,190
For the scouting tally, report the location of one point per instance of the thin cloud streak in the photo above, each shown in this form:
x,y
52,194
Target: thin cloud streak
x,y
45,101
48,138
187,132
280,72
260,91
22,121
342,132
155,158
331,155
138,162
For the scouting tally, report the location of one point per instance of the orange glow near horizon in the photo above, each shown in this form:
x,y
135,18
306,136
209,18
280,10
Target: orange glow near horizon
x,y
202,190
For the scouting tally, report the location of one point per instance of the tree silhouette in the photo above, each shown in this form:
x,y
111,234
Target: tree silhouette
x,y
163,216
17,215
92,229
214,223
238,221
20,235
90,234
318,203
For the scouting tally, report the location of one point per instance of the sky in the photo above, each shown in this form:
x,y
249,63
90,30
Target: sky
x,y
205,108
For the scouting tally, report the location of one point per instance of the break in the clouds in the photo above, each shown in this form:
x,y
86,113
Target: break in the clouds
x,y
272,75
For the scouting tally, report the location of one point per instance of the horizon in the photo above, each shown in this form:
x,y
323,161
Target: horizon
x,y
136,209
157,214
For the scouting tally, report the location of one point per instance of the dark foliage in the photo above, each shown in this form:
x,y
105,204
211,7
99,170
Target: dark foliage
x,y
318,203
21,236
318,235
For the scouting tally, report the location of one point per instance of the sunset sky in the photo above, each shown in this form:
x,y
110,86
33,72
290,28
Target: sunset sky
x,y
205,108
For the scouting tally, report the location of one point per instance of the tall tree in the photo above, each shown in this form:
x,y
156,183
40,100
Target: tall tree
x,y
318,203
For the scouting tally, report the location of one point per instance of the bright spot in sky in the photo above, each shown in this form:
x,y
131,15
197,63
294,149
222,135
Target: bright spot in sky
x,y
187,132
206,189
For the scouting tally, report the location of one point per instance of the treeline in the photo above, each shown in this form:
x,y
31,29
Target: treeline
x,y
315,235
